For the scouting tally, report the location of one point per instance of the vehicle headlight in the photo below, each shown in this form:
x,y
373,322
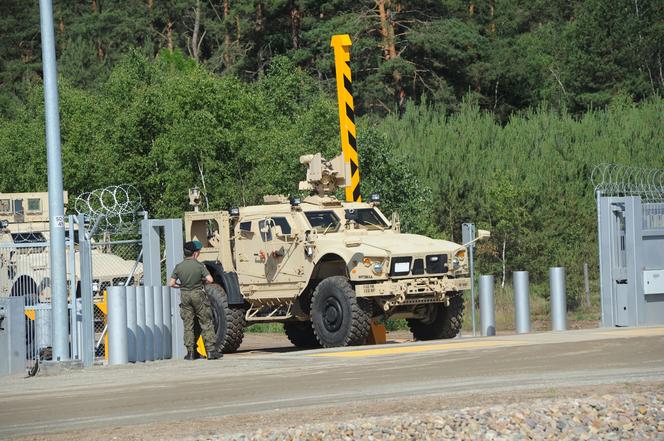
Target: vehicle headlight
x,y
375,265
459,258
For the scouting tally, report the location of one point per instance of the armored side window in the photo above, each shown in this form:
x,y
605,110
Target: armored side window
x,y
245,226
18,206
266,232
283,223
323,221
5,206
34,205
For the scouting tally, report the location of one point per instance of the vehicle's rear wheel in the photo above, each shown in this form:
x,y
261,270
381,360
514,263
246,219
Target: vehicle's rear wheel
x,y
339,318
229,321
301,334
440,321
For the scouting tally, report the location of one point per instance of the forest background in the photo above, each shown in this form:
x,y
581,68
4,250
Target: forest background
x,y
489,111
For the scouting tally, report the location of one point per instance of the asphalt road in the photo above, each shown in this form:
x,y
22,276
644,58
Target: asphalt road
x,y
263,381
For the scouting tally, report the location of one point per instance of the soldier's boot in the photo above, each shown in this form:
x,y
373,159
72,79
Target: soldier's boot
x,y
191,355
214,355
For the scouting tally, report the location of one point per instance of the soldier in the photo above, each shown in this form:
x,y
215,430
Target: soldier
x,y
191,275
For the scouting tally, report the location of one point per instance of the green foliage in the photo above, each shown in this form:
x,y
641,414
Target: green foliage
x,y
169,124
527,181
483,111
570,54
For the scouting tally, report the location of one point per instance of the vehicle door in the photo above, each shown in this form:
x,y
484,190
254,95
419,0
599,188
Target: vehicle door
x,y
250,251
285,257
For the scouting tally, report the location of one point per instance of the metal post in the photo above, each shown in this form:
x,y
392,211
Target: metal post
x,y
472,289
598,195
87,313
55,193
467,237
487,306
131,323
174,255
586,283
149,323
558,299
177,333
158,323
117,325
43,325
168,322
521,301
140,323
73,311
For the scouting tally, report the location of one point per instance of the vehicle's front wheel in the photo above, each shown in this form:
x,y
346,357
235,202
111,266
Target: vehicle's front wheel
x,y
229,322
439,321
339,318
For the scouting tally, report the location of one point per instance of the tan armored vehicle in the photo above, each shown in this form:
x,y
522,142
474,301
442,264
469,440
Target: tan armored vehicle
x,y
325,268
24,269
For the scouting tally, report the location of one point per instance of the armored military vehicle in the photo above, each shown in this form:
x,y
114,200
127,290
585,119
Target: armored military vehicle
x,y
24,269
325,268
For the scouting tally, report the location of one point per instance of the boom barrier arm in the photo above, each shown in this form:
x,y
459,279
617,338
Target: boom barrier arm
x,y
341,45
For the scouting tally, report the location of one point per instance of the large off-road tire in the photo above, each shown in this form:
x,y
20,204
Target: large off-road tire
x,y
441,321
338,318
229,321
301,334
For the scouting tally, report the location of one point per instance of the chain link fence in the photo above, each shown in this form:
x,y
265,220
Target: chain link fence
x,y
114,263
25,272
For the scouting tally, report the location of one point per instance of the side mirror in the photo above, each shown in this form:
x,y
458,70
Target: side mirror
x,y
481,235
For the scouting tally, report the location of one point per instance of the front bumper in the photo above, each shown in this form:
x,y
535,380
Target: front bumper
x,y
418,291
415,287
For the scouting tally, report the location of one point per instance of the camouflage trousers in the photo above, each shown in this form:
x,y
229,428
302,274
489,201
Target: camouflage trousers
x,y
196,314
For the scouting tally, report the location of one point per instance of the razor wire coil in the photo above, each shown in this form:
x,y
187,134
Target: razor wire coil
x,y
623,180
115,209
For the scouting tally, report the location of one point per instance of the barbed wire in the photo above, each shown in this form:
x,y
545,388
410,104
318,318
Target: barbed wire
x,y
623,180
115,207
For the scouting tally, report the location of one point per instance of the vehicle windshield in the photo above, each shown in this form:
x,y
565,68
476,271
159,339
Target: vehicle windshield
x,y
367,217
323,221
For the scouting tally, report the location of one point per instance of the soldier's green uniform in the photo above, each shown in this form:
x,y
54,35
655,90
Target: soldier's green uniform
x,y
194,302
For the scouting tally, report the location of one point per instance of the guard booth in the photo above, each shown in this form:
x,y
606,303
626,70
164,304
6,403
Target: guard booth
x,y
631,248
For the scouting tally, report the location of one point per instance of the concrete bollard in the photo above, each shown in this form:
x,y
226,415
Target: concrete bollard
x,y
558,299
117,325
487,306
132,326
149,323
521,301
140,323
158,323
168,322
43,328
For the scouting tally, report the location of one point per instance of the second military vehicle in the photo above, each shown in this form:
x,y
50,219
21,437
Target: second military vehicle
x,y
325,268
24,258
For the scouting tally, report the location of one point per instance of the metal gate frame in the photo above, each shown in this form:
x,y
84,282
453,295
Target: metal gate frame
x,y
631,252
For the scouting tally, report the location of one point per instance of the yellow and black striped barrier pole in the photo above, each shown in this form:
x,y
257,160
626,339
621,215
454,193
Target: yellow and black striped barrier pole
x,y
341,45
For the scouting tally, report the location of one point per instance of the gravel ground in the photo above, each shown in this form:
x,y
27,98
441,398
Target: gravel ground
x,y
612,416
